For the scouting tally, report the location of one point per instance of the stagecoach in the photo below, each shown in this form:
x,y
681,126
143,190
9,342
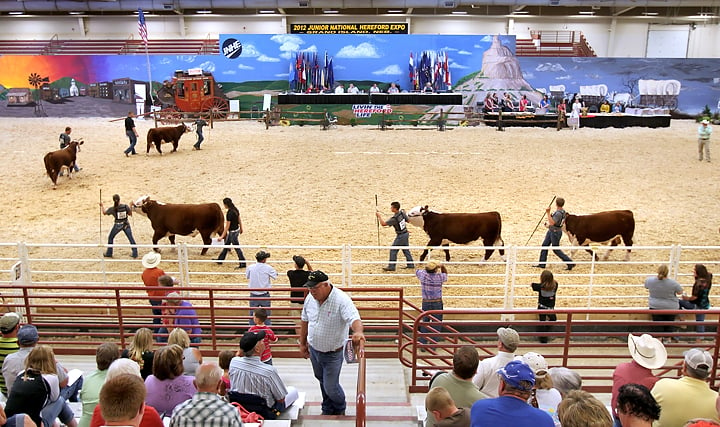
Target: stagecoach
x,y
191,91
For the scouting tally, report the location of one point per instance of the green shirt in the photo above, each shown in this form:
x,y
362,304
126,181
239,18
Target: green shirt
x,y
7,346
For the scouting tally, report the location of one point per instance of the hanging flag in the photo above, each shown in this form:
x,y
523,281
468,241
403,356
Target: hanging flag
x,y
330,75
411,68
142,27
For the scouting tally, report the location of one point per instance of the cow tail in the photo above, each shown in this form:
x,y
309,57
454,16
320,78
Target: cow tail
x,y
499,234
48,164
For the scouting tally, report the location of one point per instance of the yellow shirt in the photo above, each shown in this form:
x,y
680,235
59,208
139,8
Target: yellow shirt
x,y
683,399
605,108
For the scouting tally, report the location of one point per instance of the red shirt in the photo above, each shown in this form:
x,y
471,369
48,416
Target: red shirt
x,y
269,337
630,372
150,279
150,418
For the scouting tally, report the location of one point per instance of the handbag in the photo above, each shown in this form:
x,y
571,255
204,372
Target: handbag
x,y
247,416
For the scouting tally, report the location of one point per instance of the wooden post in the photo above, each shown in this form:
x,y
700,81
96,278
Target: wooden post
x,y
499,121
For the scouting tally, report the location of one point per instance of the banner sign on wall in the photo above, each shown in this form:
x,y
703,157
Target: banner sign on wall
x,y
367,110
395,28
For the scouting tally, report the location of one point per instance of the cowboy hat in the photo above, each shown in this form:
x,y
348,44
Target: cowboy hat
x,y
647,351
151,259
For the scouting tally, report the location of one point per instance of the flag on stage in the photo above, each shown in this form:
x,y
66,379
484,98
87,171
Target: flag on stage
x,y
142,27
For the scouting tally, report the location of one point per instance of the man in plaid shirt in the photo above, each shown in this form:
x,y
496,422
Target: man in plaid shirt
x,y
206,408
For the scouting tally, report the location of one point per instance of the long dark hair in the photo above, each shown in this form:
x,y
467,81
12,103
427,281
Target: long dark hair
x,y
701,273
116,200
230,205
547,281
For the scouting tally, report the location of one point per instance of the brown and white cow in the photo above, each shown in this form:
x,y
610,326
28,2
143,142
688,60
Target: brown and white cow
x,y
460,228
56,160
165,134
601,227
183,219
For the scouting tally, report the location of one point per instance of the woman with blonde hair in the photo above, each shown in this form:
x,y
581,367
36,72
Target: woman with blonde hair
x,y
192,358
663,294
544,396
140,350
37,390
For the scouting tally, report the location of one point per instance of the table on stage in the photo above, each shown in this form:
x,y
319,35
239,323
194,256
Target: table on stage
x,y
624,120
372,98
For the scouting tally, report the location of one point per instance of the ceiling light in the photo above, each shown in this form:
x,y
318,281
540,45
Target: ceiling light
x,y
75,13
395,11
330,11
521,12
650,13
15,13
586,12
459,12
266,11
203,11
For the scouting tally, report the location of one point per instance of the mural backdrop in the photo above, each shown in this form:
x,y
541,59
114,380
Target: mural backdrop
x,y
251,65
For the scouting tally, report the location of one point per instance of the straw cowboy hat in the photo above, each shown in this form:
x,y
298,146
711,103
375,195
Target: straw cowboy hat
x,y
151,260
647,351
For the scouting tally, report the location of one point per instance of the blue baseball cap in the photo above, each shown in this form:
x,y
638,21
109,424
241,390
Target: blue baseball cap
x,y
517,372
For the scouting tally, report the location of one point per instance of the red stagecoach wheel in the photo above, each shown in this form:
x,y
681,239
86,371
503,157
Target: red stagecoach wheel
x,y
170,116
215,106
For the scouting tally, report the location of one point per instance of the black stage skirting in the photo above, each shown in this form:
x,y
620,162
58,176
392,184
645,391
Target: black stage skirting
x,y
624,121
591,121
374,98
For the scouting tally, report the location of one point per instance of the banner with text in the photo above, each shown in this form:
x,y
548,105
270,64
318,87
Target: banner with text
x,y
394,28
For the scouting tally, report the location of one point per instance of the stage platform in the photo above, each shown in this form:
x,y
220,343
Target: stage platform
x,y
591,120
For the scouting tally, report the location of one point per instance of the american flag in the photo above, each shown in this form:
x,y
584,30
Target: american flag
x,y
142,27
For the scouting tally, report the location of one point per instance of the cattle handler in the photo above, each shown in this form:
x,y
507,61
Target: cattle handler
x,y
121,212
399,222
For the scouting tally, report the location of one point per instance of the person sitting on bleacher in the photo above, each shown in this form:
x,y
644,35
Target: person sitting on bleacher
x,y
581,409
167,387
250,378
105,355
486,378
439,403
206,408
121,400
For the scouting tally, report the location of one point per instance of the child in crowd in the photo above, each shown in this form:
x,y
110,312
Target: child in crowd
x,y
224,359
442,406
260,316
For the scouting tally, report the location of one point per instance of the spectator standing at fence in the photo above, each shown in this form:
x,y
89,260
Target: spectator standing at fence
x,y
458,382
663,295
260,318
699,299
9,325
581,409
231,233
402,237
259,277
206,408
635,406
689,396
150,276
178,313
431,282
105,355
547,290
121,213
510,408
141,351
298,277
704,132
323,337
648,353
554,225
486,378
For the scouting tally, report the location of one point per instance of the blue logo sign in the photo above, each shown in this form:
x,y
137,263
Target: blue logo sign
x,y
231,48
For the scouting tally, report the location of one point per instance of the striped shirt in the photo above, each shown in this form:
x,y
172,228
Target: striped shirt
x,y
328,323
205,410
431,283
250,375
7,346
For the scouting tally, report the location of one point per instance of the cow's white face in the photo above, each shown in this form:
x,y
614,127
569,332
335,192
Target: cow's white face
x,y
139,202
415,217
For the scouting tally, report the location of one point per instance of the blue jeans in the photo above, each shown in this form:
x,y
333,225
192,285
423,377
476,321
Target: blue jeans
x,y
232,239
70,392
552,238
133,140
161,337
427,306
401,240
156,313
57,409
326,368
118,227
689,305
259,302
200,139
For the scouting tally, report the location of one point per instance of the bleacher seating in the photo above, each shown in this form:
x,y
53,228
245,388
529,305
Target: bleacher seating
x,y
554,43
109,47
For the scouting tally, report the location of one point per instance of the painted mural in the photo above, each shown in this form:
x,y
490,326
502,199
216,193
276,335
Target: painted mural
x,y
251,65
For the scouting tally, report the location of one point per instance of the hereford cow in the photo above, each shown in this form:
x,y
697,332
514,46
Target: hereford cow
x,y
55,161
165,134
171,219
601,227
460,228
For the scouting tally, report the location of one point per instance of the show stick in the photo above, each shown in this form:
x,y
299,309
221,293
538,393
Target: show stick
x,y
541,218
377,221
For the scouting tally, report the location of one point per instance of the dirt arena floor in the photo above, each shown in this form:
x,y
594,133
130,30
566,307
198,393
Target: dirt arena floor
x,y
305,186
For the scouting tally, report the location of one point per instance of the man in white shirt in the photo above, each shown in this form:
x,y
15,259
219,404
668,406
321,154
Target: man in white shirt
x,y
322,337
259,276
340,89
374,88
353,89
486,378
